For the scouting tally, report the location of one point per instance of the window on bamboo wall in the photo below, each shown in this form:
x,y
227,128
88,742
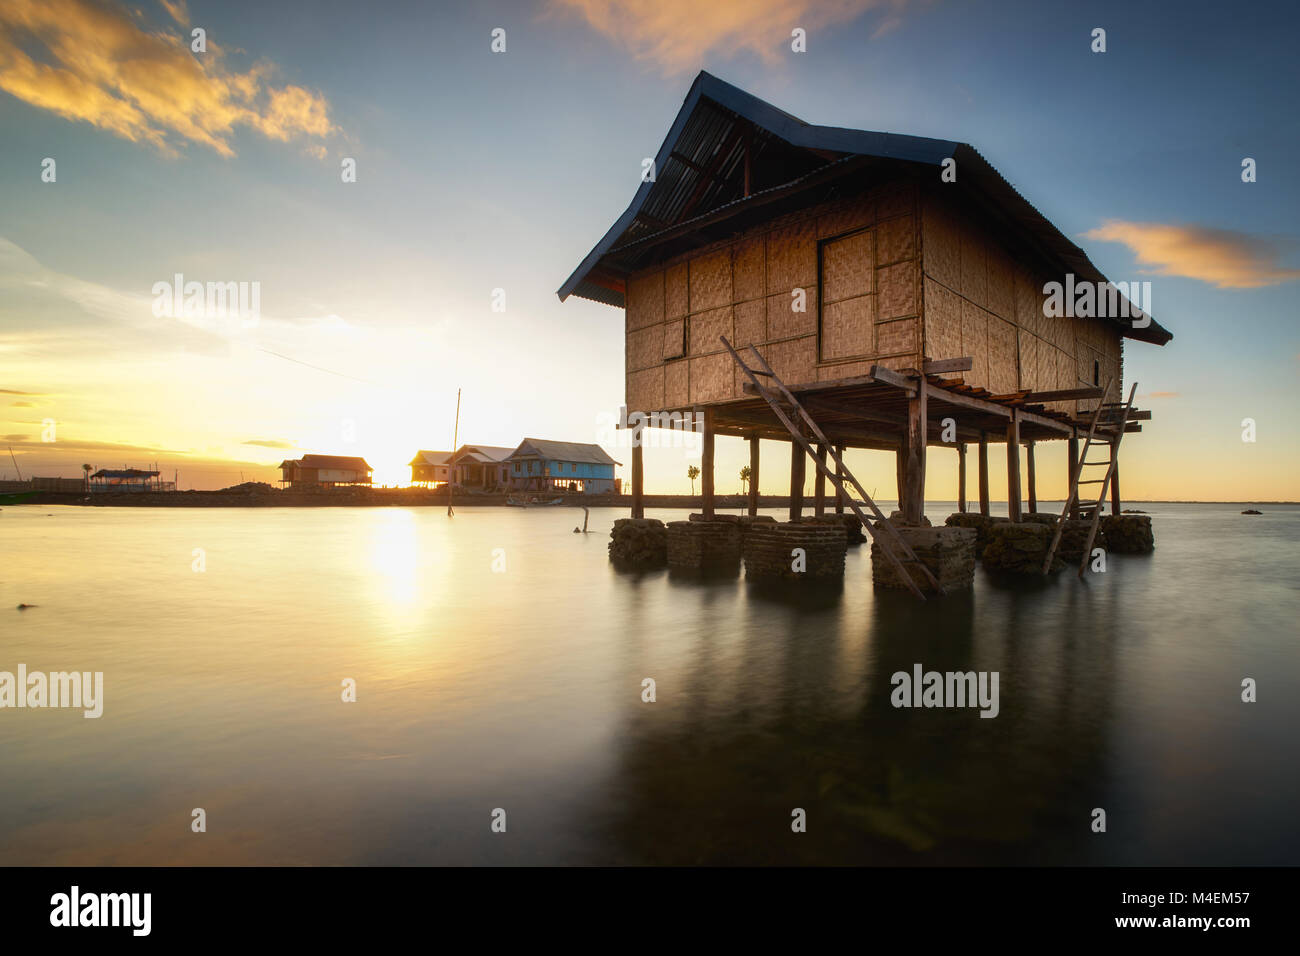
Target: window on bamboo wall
x,y
847,305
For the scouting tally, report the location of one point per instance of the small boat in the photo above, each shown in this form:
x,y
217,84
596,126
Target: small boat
x,y
533,502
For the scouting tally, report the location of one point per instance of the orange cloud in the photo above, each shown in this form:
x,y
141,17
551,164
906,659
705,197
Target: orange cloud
x,y
1230,260
678,34
96,64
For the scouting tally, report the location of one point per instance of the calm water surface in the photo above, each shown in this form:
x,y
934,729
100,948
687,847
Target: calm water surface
x,y
522,690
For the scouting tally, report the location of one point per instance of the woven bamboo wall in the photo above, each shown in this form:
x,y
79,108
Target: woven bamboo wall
x,y
979,301
747,288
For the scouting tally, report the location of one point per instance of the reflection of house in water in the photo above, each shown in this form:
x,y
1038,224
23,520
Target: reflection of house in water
x,y
314,471
127,480
481,467
539,465
430,467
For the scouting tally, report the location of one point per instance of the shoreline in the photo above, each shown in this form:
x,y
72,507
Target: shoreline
x,y
419,497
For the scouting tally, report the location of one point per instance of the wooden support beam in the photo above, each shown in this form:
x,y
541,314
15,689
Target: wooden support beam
x,y
1063,394
1115,503
1030,477
939,366
961,477
819,484
753,475
1111,416
796,481
638,480
914,510
1072,472
829,385
966,401
897,379
1013,468
706,465
839,473
984,474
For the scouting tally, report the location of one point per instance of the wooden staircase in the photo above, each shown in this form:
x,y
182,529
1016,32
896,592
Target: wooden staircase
x,y
1092,510
804,430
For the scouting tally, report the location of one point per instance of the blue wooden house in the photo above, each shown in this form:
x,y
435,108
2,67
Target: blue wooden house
x,y
539,465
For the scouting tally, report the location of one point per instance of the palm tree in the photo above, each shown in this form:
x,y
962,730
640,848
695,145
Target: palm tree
x,y
692,473
744,479
87,469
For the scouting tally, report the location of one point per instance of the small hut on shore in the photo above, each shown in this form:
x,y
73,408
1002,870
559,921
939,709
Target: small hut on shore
x,y
898,285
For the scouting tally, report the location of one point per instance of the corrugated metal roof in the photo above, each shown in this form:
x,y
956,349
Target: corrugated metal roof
x,y
124,473
481,454
341,462
563,451
430,458
698,176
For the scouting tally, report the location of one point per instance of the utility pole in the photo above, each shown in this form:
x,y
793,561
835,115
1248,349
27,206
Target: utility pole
x,y
451,476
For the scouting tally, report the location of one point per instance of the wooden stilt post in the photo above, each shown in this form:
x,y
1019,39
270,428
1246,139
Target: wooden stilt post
x,y
984,474
914,512
638,478
753,475
1013,467
1033,484
1072,470
839,473
1114,486
819,484
900,471
796,481
706,465
961,477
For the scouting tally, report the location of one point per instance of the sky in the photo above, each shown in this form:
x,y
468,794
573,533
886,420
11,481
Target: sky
x,y
483,178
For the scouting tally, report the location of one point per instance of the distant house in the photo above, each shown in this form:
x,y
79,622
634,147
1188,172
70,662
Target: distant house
x,y
480,467
430,467
324,471
540,465
125,479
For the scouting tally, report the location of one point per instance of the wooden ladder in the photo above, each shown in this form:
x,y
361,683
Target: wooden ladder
x,y
887,536
1093,510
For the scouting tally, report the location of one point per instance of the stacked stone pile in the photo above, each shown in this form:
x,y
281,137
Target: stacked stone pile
x,y
1019,548
768,550
1075,536
1128,534
638,543
703,545
852,526
981,523
1039,517
948,552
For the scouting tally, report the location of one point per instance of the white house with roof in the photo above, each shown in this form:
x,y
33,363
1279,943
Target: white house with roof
x,y
430,467
480,467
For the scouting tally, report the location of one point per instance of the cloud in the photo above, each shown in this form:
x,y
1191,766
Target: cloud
x,y
178,11
95,63
1163,394
1229,260
271,443
679,34
23,405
